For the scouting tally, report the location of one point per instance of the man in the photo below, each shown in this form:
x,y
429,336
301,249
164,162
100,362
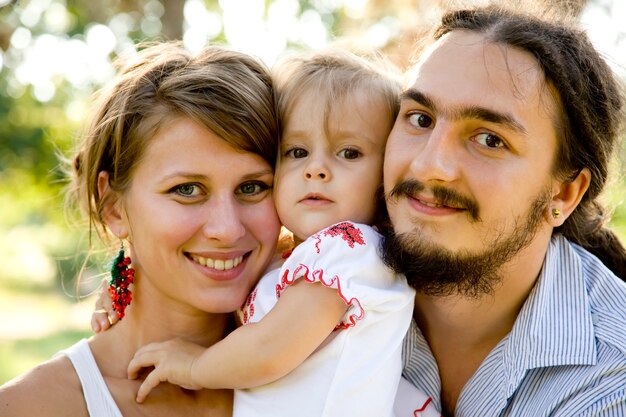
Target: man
x,y
492,171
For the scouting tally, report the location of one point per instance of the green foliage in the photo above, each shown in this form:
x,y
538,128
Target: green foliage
x,y
21,354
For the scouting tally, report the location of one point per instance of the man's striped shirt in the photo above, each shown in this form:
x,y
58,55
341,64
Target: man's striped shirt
x,y
566,353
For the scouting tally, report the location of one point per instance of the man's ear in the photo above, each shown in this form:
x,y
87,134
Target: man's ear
x,y
566,196
111,212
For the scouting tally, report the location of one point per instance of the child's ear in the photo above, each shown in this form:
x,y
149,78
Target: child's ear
x,y
566,196
111,211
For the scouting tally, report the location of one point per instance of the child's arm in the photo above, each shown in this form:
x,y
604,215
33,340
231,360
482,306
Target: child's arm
x,y
103,316
252,355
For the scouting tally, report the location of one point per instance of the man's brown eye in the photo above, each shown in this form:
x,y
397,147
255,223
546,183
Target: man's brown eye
x,y
420,120
489,140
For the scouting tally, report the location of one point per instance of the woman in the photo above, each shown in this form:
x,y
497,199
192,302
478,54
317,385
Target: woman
x,y
177,163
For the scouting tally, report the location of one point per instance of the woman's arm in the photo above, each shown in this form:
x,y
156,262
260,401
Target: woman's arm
x,y
252,355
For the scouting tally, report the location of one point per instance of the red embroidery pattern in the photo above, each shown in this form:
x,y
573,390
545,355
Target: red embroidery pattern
x,y
346,230
318,275
418,412
286,254
248,308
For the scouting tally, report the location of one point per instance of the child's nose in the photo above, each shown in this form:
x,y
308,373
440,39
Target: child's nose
x,y
317,169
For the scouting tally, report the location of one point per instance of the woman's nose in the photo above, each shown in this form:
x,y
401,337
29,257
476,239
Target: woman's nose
x,y
224,222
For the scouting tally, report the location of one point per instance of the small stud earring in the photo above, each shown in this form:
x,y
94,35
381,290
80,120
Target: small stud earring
x,y
556,213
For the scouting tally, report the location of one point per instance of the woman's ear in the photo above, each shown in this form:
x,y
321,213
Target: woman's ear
x,y
111,211
566,196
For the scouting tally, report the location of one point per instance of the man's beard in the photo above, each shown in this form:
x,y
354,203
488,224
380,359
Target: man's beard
x,y
437,271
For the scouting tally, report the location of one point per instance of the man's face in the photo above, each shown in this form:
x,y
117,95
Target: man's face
x,y
468,163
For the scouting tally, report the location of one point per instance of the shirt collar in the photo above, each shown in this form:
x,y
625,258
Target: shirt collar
x,y
420,362
555,325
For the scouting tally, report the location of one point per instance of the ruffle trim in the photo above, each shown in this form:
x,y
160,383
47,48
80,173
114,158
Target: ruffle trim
x,y
246,311
302,271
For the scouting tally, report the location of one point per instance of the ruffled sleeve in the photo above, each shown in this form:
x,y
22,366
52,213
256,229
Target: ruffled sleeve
x,y
345,257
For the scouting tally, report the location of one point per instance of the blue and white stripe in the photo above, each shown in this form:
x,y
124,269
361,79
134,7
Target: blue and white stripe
x,y
566,353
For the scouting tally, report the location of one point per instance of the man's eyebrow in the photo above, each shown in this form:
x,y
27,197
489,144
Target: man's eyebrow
x,y
418,97
488,115
466,112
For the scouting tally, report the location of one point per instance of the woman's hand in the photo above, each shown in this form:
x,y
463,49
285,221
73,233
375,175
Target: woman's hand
x,y
172,362
103,316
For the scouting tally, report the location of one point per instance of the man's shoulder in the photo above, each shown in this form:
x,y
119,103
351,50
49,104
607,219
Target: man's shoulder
x,y
571,252
602,284
606,298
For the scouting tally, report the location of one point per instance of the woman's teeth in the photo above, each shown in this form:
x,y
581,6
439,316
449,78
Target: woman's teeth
x,y
219,264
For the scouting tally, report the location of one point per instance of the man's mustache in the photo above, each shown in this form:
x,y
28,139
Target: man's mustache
x,y
445,196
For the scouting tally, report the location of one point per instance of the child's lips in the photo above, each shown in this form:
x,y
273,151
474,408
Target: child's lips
x,y
315,199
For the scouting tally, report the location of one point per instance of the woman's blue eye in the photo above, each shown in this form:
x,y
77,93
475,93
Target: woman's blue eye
x,y
186,190
253,188
420,120
489,140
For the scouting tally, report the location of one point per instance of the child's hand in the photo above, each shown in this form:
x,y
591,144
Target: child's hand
x,y
172,361
103,316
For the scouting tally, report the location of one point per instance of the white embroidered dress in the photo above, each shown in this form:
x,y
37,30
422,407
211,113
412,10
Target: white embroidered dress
x,y
356,370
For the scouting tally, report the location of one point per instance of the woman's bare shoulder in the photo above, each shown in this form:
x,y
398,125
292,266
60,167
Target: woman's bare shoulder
x,y
49,389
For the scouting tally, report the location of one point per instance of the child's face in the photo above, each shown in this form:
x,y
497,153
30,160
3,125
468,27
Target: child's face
x,y
325,176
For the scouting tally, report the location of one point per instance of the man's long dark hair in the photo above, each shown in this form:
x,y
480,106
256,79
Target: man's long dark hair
x,y
591,113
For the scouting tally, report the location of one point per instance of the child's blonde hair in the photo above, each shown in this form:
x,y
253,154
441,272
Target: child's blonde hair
x,y
332,74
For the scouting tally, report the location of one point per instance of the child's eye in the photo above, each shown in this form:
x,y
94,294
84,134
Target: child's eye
x,y
421,120
489,140
349,153
297,153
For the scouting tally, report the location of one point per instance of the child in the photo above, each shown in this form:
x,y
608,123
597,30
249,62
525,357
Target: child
x,y
321,336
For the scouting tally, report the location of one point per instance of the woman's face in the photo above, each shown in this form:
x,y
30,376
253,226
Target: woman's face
x,y
200,219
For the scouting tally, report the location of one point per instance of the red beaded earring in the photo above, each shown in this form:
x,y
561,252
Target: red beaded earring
x,y
121,277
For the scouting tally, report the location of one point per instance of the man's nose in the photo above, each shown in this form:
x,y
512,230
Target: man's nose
x,y
438,157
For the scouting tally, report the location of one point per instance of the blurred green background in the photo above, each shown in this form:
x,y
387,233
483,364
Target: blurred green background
x,y
55,53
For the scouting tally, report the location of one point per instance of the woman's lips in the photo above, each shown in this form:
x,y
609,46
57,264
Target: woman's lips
x,y
223,268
